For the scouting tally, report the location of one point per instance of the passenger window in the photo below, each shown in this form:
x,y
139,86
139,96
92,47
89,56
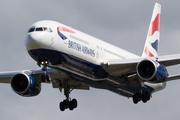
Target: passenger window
x,y
39,29
31,30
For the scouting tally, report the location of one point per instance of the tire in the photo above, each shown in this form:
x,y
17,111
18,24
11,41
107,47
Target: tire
x,y
144,97
148,96
61,106
71,106
74,101
135,99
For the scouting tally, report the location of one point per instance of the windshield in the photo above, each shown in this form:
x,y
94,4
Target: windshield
x,y
33,29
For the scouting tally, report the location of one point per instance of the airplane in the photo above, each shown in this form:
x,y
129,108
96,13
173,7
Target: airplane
x,y
70,59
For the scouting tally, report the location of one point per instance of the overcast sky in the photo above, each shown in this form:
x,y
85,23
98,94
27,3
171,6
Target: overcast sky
x,y
123,23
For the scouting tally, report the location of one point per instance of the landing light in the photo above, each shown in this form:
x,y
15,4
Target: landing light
x,y
104,64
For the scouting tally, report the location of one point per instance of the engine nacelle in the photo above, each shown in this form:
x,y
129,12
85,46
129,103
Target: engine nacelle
x,y
151,71
25,85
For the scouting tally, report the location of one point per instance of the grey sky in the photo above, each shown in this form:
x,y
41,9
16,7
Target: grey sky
x,y
123,23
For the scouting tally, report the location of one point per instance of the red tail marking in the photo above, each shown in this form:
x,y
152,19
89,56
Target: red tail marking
x,y
155,25
148,53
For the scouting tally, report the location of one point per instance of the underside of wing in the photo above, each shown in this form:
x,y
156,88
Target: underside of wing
x,y
121,67
128,66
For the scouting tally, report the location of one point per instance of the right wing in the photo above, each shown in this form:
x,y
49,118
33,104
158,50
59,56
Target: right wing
x,y
57,78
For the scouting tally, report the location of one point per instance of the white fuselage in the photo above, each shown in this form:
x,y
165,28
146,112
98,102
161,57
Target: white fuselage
x,y
54,42
77,43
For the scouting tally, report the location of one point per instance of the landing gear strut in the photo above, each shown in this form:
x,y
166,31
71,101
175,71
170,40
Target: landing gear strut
x,y
67,103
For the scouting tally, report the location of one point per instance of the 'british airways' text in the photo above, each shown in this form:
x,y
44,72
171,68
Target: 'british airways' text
x,y
81,48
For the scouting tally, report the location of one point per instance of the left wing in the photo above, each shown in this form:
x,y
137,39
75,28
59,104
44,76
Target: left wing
x,y
173,77
121,67
169,60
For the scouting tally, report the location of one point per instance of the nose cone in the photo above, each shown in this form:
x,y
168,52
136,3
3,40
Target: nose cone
x,y
33,40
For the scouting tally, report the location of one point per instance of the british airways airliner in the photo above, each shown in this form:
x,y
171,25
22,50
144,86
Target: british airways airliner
x,y
70,59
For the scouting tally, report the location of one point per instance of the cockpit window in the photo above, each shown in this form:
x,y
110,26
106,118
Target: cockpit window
x,y
40,29
31,29
50,30
45,28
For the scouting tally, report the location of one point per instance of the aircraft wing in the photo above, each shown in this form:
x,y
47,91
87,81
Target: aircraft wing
x,y
57,78
121,67
169,60
173,77
5,77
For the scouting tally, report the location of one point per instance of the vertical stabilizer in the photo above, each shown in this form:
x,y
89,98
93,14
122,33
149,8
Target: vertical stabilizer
x,y
152,41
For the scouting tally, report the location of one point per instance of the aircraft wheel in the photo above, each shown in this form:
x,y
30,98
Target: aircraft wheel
x,y
71,106
135,99
146,97
62,106
74,101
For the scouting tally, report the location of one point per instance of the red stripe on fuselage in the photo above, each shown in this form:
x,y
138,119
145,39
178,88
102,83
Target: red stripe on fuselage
x,y
64,29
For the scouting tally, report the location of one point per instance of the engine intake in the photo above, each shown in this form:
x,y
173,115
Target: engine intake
x,y
152,71
25,85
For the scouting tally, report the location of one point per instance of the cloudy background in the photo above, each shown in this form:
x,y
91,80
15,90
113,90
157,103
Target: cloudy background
x,y
123,23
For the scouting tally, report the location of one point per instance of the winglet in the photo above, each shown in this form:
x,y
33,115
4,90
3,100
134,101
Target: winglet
x,y
152,41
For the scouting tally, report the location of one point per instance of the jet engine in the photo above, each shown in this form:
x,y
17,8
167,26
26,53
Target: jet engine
x,y
25,85
151,71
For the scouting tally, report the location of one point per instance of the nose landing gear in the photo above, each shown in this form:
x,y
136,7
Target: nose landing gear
x,y
45,77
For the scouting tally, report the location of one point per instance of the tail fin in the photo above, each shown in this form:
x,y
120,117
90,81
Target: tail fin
x,y
153,36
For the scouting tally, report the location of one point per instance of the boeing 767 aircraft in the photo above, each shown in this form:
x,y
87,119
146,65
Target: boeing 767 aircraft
x,y
71,59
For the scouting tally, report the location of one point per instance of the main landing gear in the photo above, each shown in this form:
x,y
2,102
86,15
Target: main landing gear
x,y
71,104
67,103
144,96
